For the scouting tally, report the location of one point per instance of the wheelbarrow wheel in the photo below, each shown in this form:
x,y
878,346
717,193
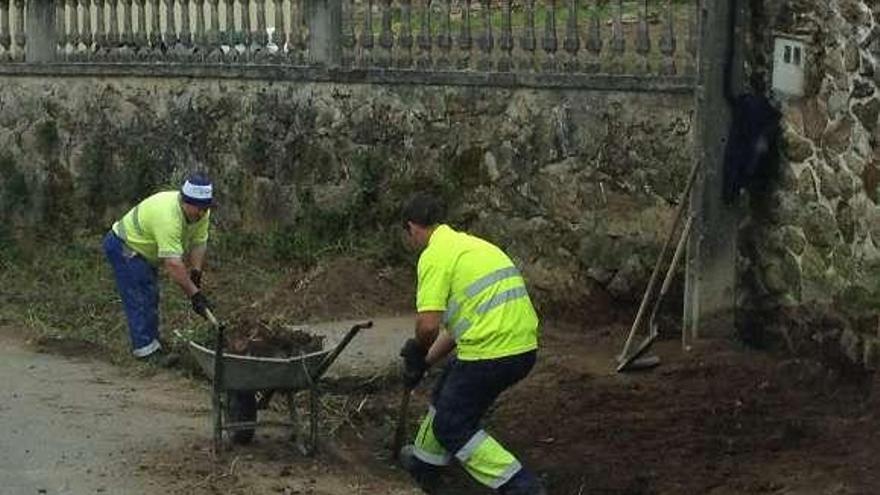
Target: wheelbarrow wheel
x,y
240,407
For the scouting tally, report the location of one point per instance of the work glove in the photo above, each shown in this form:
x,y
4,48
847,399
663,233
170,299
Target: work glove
x,y
196,276
414,365
200,304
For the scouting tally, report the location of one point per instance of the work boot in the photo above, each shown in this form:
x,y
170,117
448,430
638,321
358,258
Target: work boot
x,y
426,476
523,483
161,359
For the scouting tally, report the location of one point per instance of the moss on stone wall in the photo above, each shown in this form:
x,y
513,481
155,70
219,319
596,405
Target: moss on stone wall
x,y
316,168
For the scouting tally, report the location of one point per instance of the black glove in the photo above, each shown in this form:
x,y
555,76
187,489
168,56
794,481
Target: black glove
x,y
414,365
200,304
196,277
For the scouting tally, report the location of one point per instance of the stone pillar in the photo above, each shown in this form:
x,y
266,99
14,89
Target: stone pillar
x,y
710,285
41,37
325,32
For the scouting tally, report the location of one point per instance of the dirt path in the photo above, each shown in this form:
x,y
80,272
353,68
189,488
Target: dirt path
x,y
76,425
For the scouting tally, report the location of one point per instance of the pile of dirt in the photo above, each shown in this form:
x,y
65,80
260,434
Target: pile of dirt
x,y
339,288
270,339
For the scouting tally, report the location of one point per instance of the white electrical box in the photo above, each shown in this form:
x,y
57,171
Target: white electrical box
x,y
789,65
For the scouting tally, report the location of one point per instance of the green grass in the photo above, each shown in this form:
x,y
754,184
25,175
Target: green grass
x,y
67,291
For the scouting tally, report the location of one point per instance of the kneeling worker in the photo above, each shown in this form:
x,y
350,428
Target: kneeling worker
x,y
473,289
163,229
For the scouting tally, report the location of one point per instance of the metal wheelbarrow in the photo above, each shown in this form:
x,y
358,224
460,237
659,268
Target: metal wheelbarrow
x,y
237,379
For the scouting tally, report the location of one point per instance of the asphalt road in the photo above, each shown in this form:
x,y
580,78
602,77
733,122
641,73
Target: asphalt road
x,y
77,426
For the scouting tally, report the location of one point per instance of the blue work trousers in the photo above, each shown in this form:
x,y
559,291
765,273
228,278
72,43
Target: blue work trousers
x,y
465,392
137,283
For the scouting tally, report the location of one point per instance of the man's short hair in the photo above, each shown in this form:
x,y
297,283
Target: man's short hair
x,y
423,209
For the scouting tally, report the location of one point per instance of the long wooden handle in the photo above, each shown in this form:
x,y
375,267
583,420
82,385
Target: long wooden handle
x,y
679,214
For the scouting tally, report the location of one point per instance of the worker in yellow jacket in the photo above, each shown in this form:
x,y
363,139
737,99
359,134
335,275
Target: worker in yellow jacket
x,y
472,289
168,229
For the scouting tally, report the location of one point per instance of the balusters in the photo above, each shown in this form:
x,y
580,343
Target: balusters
x,y
127,35
299,31
279,34
100,29
444,38
113,39
83,37
185,39
691,65
60,29
464,38
572,41
20,38
467,37
5,29
199,35
594,42
230,33
259,38
168,29
367,39
155,36
549,40
246,38
618,41
424,37
74,27
528,43
486,41
88,36
212,33
405,41
668,42
643,40
505,61
349,39
386,38
140,28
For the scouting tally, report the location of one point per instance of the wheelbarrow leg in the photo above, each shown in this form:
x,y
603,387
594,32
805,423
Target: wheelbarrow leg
x,y
313,423
218,387
291,413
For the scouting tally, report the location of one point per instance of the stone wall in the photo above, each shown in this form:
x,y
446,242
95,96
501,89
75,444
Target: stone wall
x,y
579,186
810,259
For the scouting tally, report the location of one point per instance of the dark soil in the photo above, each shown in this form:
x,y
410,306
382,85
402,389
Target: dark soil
x,y
720,419
270,339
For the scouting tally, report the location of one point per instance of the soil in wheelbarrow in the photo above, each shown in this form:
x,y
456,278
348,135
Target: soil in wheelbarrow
x,y
266,338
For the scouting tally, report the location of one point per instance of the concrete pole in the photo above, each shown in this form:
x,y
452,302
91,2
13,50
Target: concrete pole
x,y
40,28
325,31
711,278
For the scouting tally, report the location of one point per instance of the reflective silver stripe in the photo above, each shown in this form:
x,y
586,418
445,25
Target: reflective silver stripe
x,y
147,349
433,459
501,298
496,276
506,475
452,308
120,230
467,451
169,254
135,221
460,328
424,455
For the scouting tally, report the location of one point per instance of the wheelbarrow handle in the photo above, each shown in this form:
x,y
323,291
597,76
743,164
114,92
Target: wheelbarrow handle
x,y
328,360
